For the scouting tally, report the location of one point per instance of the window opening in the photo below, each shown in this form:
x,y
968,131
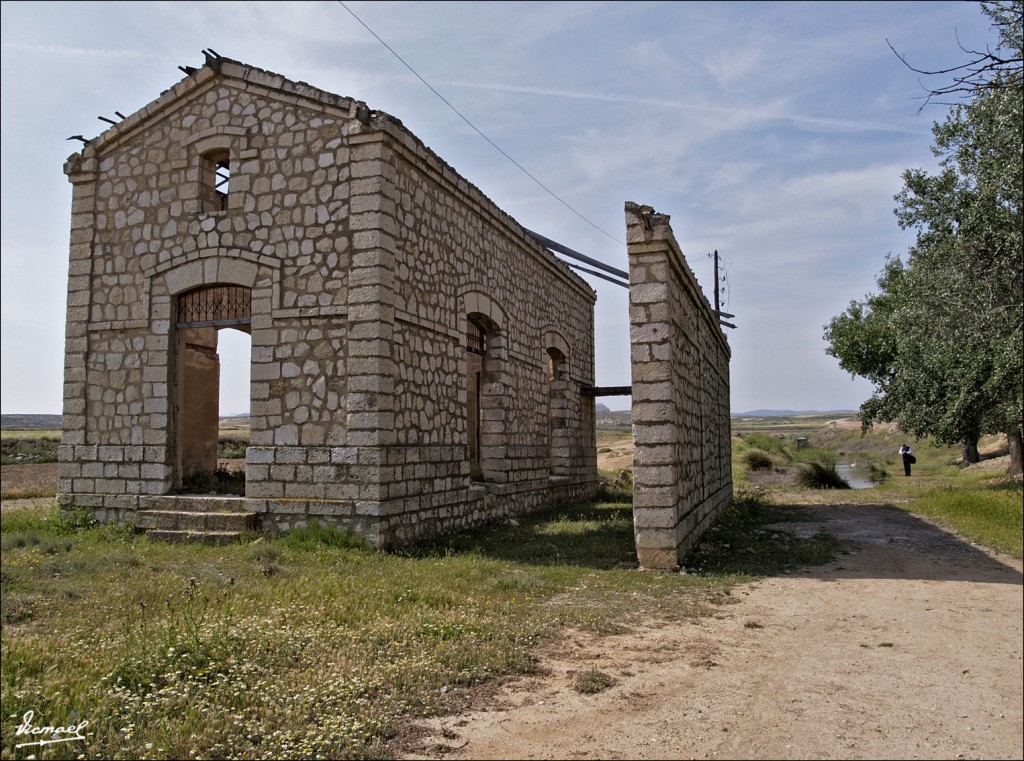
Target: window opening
x,y
476,339
216,180
476,350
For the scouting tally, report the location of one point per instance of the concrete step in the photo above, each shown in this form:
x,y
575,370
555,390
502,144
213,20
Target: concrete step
x,y
198,537
184,520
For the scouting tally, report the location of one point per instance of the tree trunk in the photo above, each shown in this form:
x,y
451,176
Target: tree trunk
x,y
970,450
1013,437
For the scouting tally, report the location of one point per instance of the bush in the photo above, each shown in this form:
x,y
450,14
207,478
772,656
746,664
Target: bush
x,y
766,443
231,449
615,489
758,459
821,473
592,681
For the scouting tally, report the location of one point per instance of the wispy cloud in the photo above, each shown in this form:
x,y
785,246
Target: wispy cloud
x,y
56,50
759,114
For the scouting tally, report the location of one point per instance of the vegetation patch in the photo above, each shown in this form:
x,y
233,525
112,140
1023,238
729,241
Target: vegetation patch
x,y
28,450
758,459
592,681
219,481
821,473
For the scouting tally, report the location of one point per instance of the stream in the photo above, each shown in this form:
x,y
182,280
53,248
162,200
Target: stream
x,y
856,476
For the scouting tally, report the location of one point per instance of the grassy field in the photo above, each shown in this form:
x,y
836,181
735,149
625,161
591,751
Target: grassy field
x,y
313,645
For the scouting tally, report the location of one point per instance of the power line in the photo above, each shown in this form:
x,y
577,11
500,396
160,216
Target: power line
x,y
475,128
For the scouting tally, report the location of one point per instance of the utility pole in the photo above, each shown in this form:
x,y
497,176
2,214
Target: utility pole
x,y
718,308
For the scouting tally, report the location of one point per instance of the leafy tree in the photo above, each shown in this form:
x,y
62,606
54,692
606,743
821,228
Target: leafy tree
x,y
942,338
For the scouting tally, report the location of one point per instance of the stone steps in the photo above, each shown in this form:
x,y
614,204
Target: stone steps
x,y
205,519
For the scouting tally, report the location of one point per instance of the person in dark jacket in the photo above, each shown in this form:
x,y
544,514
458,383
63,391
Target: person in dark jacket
x,y
908,458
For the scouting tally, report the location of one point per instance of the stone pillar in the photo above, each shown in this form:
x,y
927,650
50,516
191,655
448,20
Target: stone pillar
x,y
82,174
371,322
680,397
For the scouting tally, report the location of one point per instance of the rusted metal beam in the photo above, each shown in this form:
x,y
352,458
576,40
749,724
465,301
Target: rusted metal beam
x,y
554,246
607,390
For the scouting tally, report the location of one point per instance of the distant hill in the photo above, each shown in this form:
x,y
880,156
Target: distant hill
x,y
53,422
790,413
30,422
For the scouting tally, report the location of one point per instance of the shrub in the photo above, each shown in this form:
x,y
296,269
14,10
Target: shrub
x,y
766,443
821,473
616,489
758,459
231,449
592,681
878,474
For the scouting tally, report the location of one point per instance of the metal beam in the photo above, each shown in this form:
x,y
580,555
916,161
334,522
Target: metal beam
x,y
548,243
597,274
607,391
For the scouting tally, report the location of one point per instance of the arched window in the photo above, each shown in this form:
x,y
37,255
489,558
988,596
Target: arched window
x,y
476,352
557,417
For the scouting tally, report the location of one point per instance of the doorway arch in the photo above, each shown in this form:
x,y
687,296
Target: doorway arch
x,y
201,313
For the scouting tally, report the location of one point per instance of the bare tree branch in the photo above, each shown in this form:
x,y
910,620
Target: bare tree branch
x,y
988,70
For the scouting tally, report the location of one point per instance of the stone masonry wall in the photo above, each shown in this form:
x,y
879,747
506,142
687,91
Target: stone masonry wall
x,y
365,255
680,367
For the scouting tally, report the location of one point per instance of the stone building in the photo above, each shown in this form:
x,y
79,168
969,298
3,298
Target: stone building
x,y
418,361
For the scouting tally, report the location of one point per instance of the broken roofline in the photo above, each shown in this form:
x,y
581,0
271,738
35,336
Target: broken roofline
x,y
344,107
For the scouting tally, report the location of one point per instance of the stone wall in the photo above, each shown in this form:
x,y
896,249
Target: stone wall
x,y
680,366
365,257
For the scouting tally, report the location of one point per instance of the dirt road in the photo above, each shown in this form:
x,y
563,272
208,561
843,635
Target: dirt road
x,y
908,646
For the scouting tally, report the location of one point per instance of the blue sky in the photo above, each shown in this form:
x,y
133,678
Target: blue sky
x,y
773,132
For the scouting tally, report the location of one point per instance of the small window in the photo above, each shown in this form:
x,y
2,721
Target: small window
x,y
216,180
476,338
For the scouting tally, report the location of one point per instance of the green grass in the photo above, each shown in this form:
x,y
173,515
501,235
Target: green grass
x,y
312,644
988,514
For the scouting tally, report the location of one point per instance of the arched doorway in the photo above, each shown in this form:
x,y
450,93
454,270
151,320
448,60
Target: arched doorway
x,y
201,314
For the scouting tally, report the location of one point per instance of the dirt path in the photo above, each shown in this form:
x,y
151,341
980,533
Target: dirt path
x,y
908,646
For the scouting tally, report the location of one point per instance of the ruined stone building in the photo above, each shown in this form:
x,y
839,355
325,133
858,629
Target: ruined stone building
x,y
418,361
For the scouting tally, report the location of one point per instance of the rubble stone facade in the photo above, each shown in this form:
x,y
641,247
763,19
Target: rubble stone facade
x,y
682,462
417,359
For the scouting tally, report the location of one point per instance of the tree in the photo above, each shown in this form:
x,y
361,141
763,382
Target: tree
x,y
942,339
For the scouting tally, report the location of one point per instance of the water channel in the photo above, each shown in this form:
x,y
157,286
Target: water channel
x,y
858,477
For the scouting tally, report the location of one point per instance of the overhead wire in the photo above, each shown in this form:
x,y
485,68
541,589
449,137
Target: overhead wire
x,y
477,129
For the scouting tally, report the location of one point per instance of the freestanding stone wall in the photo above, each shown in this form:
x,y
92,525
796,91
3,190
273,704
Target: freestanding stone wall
x,y
680,366
417,358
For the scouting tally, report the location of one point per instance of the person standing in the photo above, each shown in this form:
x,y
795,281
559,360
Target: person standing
x,y
908,458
